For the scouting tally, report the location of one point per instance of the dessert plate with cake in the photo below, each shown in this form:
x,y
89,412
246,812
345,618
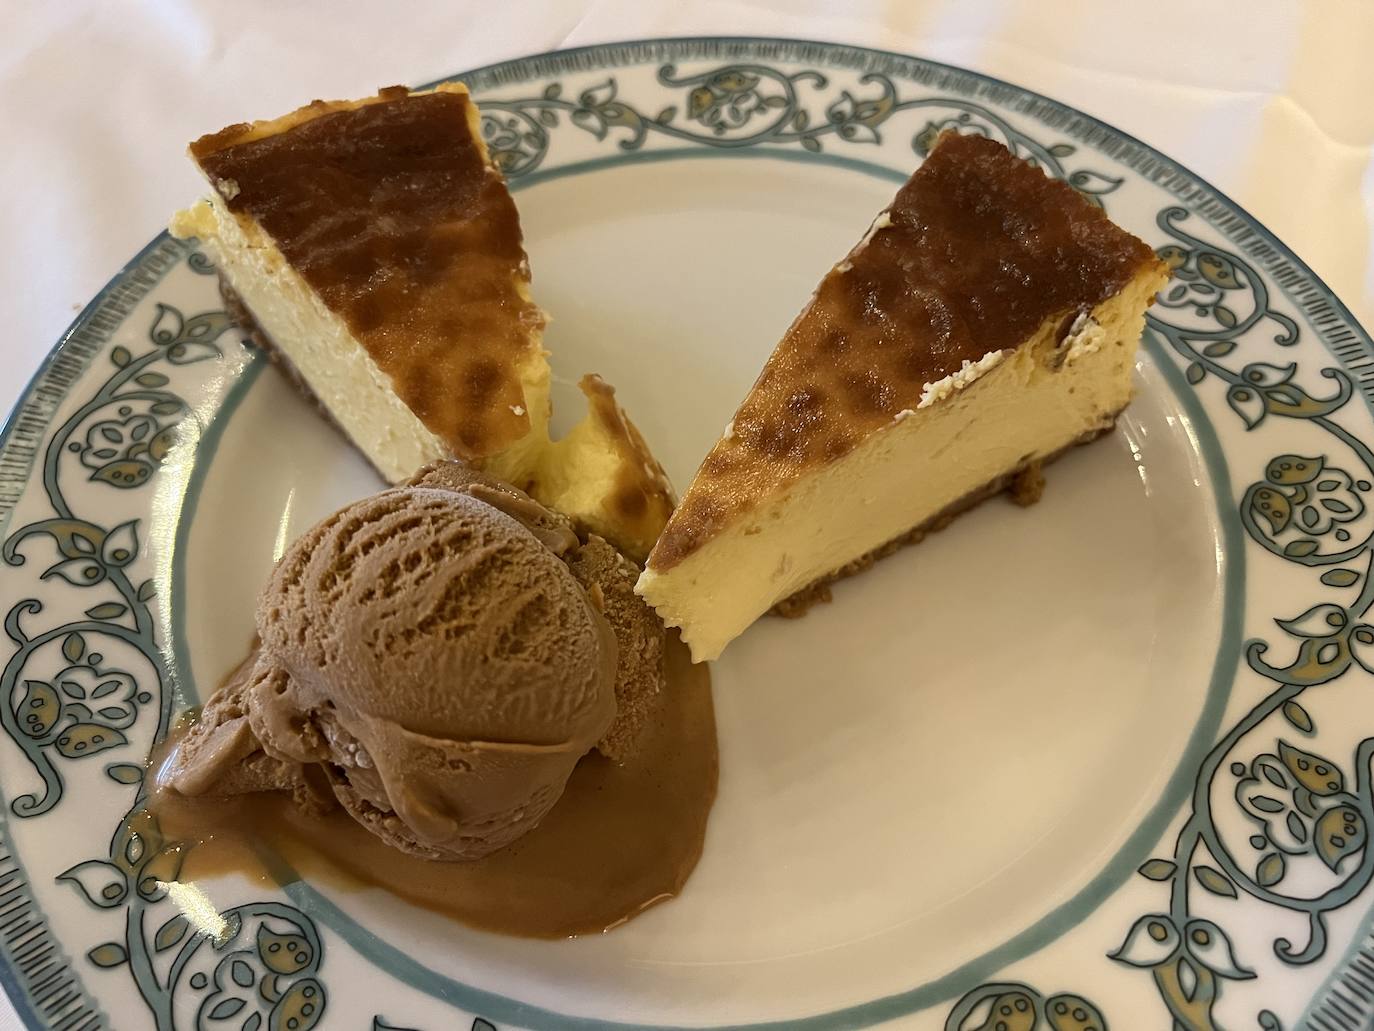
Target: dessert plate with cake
x,y
480,568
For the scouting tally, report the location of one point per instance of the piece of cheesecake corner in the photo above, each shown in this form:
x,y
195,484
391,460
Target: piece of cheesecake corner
x,y
373,248
987,322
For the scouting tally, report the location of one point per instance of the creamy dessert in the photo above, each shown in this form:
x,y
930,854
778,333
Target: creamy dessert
x,y
456,697
986,322
373,248
435,659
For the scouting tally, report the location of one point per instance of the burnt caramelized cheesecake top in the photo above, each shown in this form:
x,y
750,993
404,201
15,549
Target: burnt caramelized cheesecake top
x,y
981,250
391,211
640,494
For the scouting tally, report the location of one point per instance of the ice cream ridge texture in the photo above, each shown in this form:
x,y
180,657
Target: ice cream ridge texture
x,y
435,659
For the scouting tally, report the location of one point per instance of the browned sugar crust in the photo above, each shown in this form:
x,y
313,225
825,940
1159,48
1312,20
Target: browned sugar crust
x,y
1024,486
641,498
392,214
983,249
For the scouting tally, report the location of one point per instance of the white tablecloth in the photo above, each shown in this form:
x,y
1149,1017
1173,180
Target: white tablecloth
x,y
1267,99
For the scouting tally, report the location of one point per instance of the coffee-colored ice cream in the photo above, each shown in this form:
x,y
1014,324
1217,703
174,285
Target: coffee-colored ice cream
x,y
436,658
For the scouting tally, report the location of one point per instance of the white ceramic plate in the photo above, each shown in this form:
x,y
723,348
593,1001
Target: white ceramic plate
x,y
1101,762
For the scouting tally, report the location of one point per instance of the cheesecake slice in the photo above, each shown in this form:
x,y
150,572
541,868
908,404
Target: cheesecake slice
x,y
986,322
374,248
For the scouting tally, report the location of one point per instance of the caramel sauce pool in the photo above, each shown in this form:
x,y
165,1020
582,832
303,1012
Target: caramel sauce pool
x,y
622,838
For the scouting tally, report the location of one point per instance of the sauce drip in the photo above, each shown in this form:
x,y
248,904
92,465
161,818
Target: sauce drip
x,y
622,838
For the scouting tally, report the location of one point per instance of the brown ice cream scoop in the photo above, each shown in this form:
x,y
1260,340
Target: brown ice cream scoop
x,y
437,661
609,580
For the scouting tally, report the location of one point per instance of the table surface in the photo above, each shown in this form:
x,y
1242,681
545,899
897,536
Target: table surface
x,y
1266,99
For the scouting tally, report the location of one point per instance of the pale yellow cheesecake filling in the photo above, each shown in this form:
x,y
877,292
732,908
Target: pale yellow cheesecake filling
x,y
578,475
602,474
334,365
573,476
1028,403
